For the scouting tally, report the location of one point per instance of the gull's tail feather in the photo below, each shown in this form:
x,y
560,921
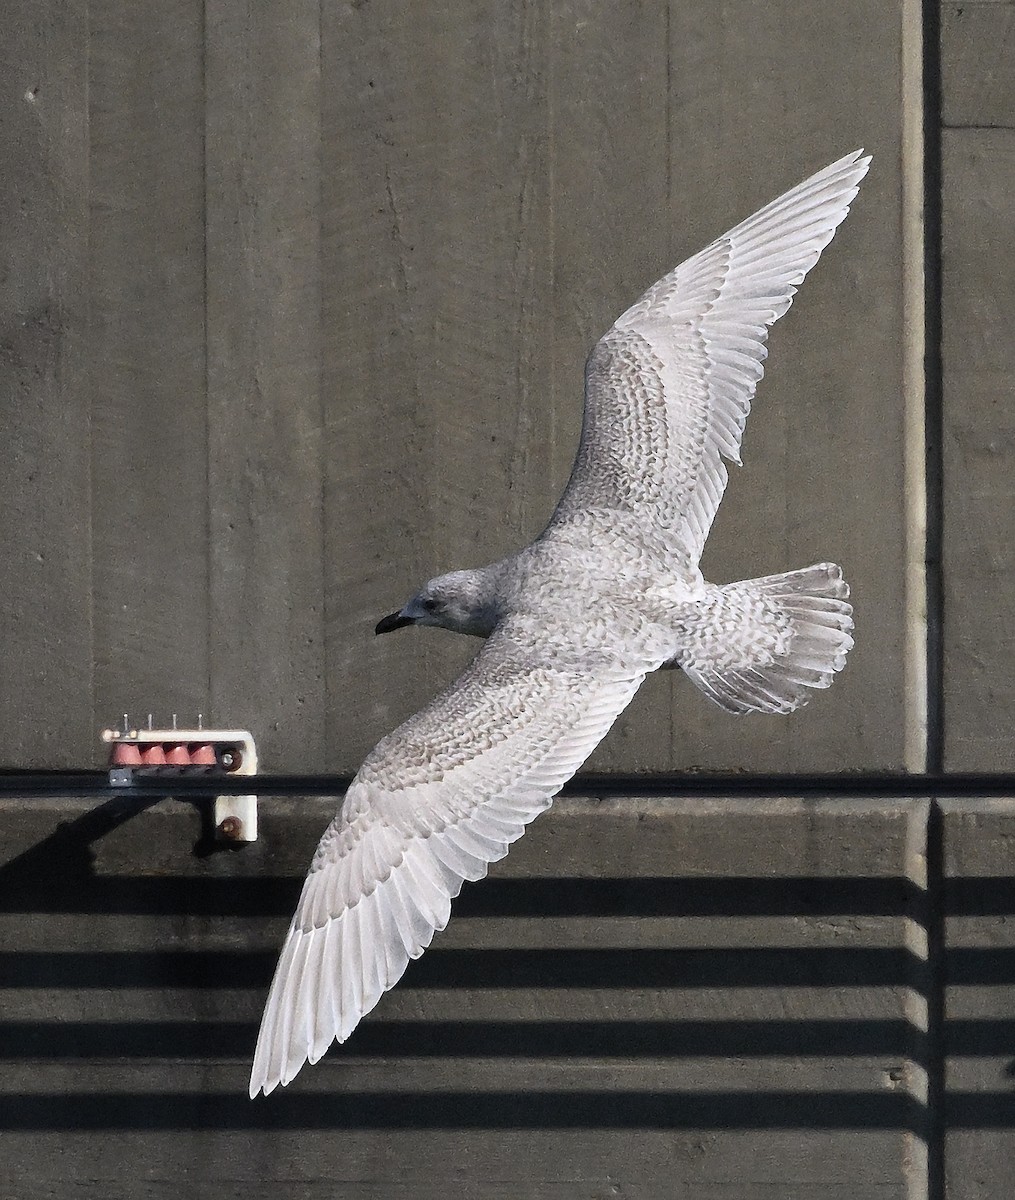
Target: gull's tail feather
x,y
775,638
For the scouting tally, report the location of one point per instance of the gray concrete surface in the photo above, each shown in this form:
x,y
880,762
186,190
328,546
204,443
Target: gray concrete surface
x,y
647,998
266,643
978,297
147,521
45,476
295,304
336,272
980,999
513,223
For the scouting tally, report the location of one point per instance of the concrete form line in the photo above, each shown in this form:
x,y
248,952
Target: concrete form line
x,y
932,406
916,656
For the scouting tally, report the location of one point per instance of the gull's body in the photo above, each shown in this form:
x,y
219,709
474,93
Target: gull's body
x,y
610,591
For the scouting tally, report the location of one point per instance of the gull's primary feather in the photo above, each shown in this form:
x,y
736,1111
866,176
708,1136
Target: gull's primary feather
x,y
669,386
411,832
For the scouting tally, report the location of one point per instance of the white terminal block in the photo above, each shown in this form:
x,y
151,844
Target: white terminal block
x,y
227,751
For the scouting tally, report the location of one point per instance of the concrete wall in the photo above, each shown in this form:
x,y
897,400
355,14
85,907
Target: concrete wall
x,y
649,997
978,291
295,304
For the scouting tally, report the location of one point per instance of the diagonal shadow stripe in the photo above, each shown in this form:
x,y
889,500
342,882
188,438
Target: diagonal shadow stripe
x,y
543,968
464,1110
276,896
48,890
463,1039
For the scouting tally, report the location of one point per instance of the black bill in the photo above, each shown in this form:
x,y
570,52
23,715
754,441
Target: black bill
x,y
395,621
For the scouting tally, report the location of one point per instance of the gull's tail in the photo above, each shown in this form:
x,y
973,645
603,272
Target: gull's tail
x,y
763,643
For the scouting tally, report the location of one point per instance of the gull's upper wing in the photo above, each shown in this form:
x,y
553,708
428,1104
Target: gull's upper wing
x,y
669,387
433,804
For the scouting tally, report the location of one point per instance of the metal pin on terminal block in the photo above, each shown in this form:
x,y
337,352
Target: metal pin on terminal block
x,y
150,753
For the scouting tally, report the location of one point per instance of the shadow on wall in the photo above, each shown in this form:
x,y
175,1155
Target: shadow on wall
x,y
57,877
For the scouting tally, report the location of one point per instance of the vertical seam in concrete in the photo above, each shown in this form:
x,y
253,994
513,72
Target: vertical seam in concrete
x,y
930,133
924,926
935,993
917,1000
933,401
89,377
210,549
916,703
671,682
551,221
669,136
326,649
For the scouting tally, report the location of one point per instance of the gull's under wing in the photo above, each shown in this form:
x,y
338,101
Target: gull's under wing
x,y
669,387
433,805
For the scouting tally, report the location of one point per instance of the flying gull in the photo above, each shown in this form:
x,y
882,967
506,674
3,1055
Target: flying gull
x,y
609,591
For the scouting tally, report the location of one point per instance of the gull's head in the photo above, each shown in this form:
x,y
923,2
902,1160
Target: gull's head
x,y
461,601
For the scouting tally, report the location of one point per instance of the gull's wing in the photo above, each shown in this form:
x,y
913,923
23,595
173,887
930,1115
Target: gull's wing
x,y
669,387
433,804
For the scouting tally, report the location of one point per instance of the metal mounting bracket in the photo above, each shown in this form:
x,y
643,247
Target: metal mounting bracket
x,y
165,754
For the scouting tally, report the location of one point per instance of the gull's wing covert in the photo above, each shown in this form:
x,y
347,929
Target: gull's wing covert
x,y
433,805
669,386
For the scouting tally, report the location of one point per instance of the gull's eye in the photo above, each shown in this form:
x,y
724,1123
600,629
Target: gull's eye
x,y
430,605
